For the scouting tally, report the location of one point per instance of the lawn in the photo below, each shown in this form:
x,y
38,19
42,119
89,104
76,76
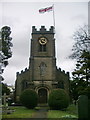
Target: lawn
x,y
20,112
70,112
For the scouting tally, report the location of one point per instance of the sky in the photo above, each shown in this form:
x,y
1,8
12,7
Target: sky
x,y
22,15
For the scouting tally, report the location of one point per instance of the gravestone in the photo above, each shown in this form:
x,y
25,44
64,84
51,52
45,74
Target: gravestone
x,y
4,99
89,108
83,107
4,103
0,99
6,109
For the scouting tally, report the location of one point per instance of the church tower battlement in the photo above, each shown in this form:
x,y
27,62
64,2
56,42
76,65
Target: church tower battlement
x,y
42,42
42,30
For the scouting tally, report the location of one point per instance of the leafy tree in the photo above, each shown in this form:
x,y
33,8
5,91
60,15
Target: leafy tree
x,y
81,52
5,89
87,91
77,87
5,47
81,76
82,70
6,43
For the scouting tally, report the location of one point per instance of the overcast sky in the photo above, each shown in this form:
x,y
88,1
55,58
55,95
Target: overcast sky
x,y
21,16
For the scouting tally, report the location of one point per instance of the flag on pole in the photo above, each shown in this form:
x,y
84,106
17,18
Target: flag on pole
x,y
43,10
51,8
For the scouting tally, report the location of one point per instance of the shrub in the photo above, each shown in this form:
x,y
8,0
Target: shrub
x,y
58,99
29,98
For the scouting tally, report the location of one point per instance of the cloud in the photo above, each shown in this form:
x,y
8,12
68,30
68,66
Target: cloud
x,y
80,17
22,16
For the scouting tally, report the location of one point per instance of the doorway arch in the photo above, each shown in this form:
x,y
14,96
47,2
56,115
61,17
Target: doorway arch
x,y
42,94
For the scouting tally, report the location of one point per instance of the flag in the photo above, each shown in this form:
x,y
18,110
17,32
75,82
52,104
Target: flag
x,y
43,10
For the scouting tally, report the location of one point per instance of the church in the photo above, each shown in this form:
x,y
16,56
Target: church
x,y
42,75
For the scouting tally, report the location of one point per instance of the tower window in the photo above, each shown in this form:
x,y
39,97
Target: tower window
x,y
42,44
42,48
24,84
61,84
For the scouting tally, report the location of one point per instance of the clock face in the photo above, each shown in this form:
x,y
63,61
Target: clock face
x,y
42,40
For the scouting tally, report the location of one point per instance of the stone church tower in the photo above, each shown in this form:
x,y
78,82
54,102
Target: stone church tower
x,y
42,74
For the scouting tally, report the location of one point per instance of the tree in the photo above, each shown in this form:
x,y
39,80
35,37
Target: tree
x,y
81,52
82,70
81,76
77,88
5,47
82,42
5,89
6,42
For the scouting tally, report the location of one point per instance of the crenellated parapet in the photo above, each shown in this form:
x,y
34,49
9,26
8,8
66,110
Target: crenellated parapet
x,y
43,30
22,71
63,71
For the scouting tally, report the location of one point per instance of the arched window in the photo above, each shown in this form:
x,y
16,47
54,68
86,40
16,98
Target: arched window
x,y
42,48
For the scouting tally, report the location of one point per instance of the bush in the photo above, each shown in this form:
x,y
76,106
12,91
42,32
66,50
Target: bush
x,y
58,99
29,98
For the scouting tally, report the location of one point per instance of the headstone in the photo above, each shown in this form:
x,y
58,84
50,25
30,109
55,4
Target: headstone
x,y
83,107
0,100
89,109
4,99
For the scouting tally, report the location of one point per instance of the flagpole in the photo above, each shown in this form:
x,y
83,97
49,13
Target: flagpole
x,y
53,17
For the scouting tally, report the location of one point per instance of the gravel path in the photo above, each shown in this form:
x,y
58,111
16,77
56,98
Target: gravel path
x,y
41,113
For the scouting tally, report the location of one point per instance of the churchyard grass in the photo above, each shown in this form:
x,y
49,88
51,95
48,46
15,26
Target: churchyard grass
x,y
20,112
70,112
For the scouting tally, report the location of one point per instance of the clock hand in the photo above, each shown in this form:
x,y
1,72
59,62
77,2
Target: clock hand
x,y
43,40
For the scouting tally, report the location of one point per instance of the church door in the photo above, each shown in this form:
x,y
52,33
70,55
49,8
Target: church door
x,y
42,93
